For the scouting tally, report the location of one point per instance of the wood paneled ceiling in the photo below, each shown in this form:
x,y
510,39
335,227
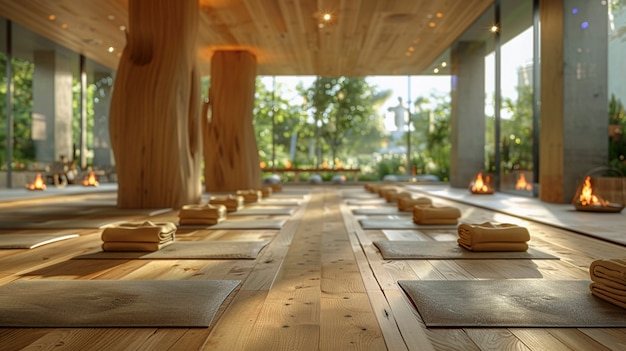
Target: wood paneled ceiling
x,y
288,37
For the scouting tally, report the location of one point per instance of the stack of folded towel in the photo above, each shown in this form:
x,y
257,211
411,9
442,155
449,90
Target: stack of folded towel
x,y
391,195
232,202
436,215
493,237
372,187
406,204
608,280
266,191
251,195
138,236
206,214
381,190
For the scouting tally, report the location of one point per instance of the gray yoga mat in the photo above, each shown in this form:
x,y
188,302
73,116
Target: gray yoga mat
x,y
400,223
443,250
63,211
383,211
366,202
215,250
250,224
275,202
58,224
511,303
31,241
112,303
263,211
359,195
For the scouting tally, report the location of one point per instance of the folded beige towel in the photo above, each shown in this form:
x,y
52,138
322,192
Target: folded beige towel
x,y
381,190
436,215
471,234
404,195
251,195
606,293
372,188
133,246
201,221
232,202
266,191
205,211
150,232
406,204
391,195
610,272
496,246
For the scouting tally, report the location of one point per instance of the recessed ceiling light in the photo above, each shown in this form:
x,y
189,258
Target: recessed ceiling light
x,y
444,64
432,24
327,17
494,28
111,49
436,70
439,15
122,28
111,17
64,26
52,17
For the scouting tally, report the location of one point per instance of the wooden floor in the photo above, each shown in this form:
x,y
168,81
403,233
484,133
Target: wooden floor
x,y
319,285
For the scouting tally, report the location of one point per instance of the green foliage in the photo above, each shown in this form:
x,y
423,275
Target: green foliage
x,y
22,143
517,132
617,139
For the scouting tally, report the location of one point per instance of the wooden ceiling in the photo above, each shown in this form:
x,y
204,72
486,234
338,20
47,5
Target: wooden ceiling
x,y
288,37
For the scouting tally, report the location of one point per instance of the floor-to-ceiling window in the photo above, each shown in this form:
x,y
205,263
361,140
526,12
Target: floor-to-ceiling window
x,y
516,97
47,109
616,85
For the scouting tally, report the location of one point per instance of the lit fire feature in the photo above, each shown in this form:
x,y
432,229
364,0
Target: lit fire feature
x,y
38,184
588,201
91,180
480,186
522,184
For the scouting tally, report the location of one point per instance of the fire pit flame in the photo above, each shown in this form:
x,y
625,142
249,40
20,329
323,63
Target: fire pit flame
x,y
588,201
38,184
480,186
91,180
522,184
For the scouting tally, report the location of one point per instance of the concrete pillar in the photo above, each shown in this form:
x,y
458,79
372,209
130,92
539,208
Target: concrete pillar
x,y
102,152
52,106
467,155
231,155
574,100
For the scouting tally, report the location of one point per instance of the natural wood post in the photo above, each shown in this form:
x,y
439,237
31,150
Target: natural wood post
x,y
231,155
154,123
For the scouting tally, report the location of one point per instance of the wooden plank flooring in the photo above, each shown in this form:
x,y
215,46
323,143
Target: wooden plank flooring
x,y
319,285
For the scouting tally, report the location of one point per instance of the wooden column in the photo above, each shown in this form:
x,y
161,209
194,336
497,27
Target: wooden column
x,y
155,107
231,155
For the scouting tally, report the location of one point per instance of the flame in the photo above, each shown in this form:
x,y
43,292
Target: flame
x,y
262,164
91,180
287,164
587,198
480,186
522,184
38,184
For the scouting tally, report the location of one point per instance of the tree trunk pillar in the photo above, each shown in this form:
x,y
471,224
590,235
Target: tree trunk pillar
x,y
154,124
231,156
